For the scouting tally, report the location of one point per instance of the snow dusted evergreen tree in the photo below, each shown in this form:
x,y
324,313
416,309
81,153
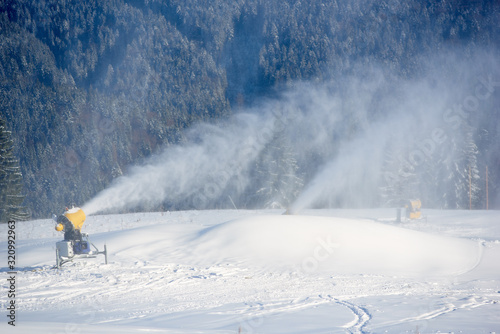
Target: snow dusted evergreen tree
x,y
439,177
464,177
400,181
276,169
446,181
11,197
435,177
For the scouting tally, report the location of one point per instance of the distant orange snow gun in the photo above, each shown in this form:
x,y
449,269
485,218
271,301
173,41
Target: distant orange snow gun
x,y
75,244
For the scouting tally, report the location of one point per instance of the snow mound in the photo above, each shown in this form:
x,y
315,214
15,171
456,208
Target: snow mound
x,y
336,245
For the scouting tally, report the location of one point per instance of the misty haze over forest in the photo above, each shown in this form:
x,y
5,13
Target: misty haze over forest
x,y
169,105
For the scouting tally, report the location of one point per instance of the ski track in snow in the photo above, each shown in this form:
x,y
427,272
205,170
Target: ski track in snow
x,y
466,303
170,290
362,317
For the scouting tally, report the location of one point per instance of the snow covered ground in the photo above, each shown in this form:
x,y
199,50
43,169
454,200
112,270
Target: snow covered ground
x,y
324,271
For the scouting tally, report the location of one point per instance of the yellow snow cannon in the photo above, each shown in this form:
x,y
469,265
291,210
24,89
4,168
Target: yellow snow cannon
x,y
413,209
76,245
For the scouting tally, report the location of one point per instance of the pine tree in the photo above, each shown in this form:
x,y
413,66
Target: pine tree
x,y
11,197
453,175
465,182
400,180
279,184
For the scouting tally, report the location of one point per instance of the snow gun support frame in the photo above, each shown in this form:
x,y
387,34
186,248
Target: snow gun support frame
x,y
67,251
76,245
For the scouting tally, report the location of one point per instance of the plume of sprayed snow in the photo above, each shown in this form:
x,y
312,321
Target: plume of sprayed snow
x,y
180,171
426,125
339,132
353,174
217,157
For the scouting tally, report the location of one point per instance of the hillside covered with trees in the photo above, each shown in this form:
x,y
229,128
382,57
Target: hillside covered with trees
x,y
89,88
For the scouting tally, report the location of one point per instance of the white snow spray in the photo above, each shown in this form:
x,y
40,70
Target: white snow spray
x,y
423,139
198,170
218,159
340,133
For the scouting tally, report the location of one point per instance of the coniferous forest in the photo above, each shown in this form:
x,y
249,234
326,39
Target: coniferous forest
x,y
89,88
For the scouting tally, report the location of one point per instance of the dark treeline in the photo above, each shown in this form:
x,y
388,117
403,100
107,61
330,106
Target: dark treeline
x,y
88,88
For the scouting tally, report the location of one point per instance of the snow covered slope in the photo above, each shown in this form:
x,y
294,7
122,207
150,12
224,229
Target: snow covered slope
x,y
336,245
326,271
